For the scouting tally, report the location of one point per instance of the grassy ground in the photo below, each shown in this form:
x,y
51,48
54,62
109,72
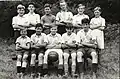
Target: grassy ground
x,y
109,68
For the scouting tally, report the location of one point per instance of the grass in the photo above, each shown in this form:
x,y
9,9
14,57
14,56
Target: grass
x,y
109,59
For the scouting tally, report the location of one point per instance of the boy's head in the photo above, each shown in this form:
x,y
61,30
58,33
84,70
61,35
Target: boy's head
x,y
53,29
69,28
20,9
85,24
38,28
47,8
81,8
97,11
31,7
23,32
63,5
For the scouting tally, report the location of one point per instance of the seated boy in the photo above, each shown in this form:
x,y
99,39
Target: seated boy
x,y
38,48
86,46
54,44
22,48
69,48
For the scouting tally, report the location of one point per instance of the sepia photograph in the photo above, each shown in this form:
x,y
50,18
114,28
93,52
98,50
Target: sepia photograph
x,y
59,39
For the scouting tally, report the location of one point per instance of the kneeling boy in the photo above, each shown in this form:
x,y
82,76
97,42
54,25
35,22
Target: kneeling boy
x,y
69,48
86,46
38,48
22,48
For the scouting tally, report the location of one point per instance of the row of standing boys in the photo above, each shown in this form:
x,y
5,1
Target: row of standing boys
x,y
49,25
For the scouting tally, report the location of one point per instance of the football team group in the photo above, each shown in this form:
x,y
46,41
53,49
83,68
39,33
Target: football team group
x,y
69,36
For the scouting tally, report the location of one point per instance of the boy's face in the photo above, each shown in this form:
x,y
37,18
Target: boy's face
x,y
69,30
21,12
81,9
53,30
31,8
86,27
63,6
97,13
23,33
47,10
38,30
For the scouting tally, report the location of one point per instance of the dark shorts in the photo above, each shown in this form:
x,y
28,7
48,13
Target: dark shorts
x,y
37,51
86,50
22,52
16,34
69,51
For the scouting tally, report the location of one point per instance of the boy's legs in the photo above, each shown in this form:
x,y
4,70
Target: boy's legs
x,y
80,61
66,56
73,56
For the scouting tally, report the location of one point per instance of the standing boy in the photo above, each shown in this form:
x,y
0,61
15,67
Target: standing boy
x,y
19,22
33,18
86,47
48,19
38,48
22,48
69,48
78,18
63,17
54,44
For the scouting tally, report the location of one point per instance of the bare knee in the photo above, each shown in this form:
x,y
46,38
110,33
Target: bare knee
x,y
40,55
25,56
79,54
19,57
73,55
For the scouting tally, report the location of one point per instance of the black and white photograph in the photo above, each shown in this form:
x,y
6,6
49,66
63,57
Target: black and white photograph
x,y
59,39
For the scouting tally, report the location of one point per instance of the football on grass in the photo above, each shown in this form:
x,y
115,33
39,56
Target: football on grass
x,y
53,56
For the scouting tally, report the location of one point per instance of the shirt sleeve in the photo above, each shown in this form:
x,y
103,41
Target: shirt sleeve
x,y
103,22
17,41
42,20
74,20
58,17
62,38
78,39
14,20
38,18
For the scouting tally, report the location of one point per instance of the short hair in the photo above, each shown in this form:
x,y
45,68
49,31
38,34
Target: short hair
x,y
47,5
97,8
85,21
31,3
81,5
39,25
20,6
69,26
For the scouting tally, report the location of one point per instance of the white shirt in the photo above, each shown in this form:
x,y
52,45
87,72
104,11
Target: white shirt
x,y
17,20
23,41
38,39
97,22
64,16
68,38
85,37
78,18
33,19
53,40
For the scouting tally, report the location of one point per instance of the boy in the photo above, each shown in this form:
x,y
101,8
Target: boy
x,y
22,48
63,17
48,19
78,18
86,46
98,25
38,48
33,18
69,48
19,22
54,44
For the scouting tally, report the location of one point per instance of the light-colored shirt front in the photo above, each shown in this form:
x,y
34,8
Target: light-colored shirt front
x,y
33,19
38,39
23,41
53,40
85,36
77,19
17,20
68,38
64,16
97,22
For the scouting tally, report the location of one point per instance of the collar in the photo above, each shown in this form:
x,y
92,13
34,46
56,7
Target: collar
x,y
31,14
38,35
20,16
64,11
23,37
48,14
98,17
52,35
79,14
